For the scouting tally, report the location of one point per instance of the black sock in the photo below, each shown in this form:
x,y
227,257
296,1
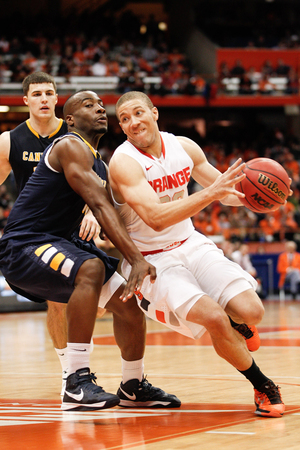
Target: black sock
x,y
255,376
233,324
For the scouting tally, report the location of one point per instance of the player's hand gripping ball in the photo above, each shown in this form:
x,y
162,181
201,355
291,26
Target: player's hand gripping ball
x,y
266,185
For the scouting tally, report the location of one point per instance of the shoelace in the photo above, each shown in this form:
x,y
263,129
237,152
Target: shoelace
x,y
272,393
90,377
145,385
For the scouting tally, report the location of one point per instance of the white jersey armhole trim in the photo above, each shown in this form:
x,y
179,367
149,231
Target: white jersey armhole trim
x,y
47,161
113,197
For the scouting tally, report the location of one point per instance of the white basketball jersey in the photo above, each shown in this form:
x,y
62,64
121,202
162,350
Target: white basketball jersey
x,y
168,176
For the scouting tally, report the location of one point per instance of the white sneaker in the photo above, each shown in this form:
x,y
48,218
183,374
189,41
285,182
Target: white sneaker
x,y
64,382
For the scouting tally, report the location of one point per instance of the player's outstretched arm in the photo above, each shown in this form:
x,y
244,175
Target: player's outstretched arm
x,y
74,159
130,185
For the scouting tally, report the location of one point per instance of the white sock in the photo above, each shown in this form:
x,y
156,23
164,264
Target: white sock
x,y
62,354
78,356
92,346
132,370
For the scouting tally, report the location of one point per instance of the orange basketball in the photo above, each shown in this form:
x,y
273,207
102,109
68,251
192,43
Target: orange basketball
x,y
266,186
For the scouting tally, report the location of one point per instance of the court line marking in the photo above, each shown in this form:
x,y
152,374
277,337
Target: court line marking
x,y
228,432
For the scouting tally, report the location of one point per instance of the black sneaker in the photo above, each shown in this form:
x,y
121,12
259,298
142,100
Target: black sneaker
x,y
83,394
141,393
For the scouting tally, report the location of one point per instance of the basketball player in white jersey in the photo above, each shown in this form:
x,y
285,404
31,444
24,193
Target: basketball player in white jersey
x,y
197,288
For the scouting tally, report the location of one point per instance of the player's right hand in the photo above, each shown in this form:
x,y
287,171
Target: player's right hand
x,y
139,270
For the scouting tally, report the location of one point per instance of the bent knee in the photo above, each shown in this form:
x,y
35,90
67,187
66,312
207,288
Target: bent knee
x,y
247,307
91,272
209,314
218,323
128,310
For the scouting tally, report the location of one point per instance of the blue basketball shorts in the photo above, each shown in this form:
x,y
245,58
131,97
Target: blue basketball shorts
x,y
44,267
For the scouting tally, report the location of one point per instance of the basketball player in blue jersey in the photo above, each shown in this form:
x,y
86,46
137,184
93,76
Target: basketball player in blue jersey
x,y
41,259
20,151
197,287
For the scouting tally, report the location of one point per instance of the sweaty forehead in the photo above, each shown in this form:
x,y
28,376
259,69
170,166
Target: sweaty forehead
x,y
79,98
40,87
131,105
86,95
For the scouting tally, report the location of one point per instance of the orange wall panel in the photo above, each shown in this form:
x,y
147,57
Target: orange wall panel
x,y
256,58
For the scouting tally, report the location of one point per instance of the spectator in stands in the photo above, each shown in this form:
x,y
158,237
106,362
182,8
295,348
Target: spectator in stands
x,y
267,68
222,162
227,247
291,166
269,225
282,69
242,257
288,267
224,71
196,85
206,224
98,68
149,53
4,45
238,69
265,86
245,87
293,82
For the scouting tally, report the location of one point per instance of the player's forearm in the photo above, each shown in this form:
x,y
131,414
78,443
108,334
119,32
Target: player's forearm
x,y
231,200
115,230
165,215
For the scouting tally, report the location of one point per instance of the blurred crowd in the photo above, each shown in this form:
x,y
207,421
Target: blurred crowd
x,y
260,81
131,60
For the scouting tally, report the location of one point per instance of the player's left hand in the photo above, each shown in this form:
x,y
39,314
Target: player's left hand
x,y
89,228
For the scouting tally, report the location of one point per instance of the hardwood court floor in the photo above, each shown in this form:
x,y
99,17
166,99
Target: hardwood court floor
x,y
217,402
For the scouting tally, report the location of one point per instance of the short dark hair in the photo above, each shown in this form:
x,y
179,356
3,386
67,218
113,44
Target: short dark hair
x,y
35,78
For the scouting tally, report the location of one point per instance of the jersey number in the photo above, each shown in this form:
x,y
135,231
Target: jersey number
x,y
176,196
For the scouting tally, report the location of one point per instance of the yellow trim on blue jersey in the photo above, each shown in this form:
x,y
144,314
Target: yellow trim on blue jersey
x,y
31,129
41,249
50,135
58,258
95,153
57,129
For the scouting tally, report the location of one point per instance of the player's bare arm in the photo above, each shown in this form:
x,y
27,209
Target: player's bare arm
x,y
129,185
5,167
74,159
204,173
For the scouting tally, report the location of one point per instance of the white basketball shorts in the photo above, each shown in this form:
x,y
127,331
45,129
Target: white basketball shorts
x,y
184,275
109,288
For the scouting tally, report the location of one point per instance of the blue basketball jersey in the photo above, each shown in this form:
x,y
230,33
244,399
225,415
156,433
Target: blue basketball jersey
x,y
48,204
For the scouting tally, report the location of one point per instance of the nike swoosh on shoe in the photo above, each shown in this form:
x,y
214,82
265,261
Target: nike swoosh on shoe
x,y
131,397
77,397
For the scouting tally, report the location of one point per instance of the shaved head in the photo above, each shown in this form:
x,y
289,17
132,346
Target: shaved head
x,y
76,99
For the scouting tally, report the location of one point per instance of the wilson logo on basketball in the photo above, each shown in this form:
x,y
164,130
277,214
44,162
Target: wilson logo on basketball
x,y
271,185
